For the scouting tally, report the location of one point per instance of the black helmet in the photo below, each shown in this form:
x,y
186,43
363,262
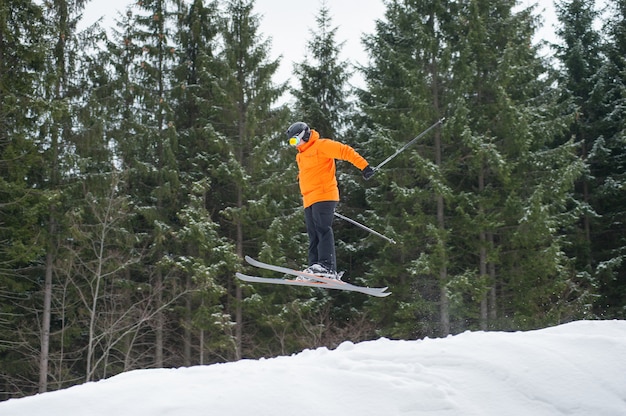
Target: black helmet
x,y
298,132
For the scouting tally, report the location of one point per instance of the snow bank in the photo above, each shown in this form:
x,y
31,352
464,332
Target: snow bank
x,y
573,369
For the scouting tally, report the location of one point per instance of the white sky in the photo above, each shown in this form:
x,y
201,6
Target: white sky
x,y
288,24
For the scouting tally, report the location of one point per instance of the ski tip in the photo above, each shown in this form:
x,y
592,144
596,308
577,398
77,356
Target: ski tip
x,y
241,276
251,261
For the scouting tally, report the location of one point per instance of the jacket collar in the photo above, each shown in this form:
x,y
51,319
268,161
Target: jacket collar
x,y
312,139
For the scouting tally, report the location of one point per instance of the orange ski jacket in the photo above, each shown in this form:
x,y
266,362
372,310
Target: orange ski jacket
x,y
317,171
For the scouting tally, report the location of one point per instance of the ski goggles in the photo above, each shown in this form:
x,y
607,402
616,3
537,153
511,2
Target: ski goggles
x,y
297,139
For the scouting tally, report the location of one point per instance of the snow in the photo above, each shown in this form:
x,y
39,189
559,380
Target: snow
x,y
573,369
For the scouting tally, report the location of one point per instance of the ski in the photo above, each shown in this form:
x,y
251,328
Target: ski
x,y
291,282
318,284
323,282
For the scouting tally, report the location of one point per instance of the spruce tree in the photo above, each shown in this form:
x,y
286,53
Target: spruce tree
x,y
249,123
517,176
148,142
478,208
60,139
405,93
321,98
22,193
207,259
579,54
95,256
607,159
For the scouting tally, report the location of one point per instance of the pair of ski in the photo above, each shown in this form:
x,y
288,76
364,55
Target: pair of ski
x,y
312,280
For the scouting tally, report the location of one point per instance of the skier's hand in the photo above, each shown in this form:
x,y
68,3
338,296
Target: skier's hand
x,y
368,172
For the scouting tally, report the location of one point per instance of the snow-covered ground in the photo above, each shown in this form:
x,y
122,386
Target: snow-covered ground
x,y
573,369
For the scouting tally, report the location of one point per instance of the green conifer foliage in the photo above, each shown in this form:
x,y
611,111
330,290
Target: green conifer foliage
x,y
607,158
249,124
481,204
22,196
321,98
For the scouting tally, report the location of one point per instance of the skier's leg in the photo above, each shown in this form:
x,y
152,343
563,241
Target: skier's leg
x,y
311,230
323,214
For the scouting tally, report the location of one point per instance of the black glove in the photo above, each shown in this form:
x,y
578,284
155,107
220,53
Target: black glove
x,y
368,172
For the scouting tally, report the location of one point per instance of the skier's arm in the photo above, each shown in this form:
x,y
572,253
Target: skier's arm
x,y
336,150
342,151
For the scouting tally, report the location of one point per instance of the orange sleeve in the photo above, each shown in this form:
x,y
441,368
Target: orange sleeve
x,y
336,150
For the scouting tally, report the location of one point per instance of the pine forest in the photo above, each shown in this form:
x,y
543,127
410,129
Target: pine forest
x,y
141,163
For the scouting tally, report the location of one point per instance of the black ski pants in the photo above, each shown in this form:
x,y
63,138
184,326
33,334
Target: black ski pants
x,y
319,227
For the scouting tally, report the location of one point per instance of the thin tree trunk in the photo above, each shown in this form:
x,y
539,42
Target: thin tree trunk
x,y
482,267
158,358
187,328
238,292
45,325
493,306
444,301
484,318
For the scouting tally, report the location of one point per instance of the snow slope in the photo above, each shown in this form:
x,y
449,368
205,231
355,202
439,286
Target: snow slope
x,y
573,369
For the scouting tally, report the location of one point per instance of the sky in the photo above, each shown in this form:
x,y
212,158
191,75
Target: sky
x,y
288,25
576,369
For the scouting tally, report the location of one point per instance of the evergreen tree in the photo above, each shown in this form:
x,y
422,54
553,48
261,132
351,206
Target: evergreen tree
x,y
520,177
206,258
247,120
581,60
321,99
607,159
71,143
148,143
94,258
406,93
22,195
59,141
484,179
502,144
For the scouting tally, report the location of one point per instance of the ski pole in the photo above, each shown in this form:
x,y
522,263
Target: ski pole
x,y
384,162
358,224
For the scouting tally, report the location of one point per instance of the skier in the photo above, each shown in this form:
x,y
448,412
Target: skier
x,y
320,194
